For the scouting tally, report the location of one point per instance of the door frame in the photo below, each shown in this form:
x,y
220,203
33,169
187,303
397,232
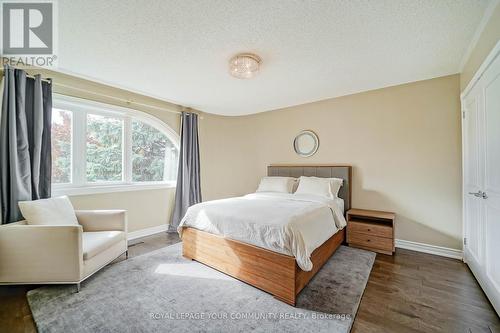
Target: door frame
x,y
477,271
484,66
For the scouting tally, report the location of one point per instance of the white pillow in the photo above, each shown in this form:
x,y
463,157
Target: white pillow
x,y
52,211
336,184
277,184
325,187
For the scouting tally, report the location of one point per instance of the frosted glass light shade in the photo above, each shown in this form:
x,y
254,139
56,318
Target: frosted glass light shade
x,y
244,65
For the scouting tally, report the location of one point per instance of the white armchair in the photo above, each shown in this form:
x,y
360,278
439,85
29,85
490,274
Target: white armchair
x,y
62,254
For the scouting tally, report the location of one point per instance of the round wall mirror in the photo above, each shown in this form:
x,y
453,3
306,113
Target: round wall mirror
x,y
306,143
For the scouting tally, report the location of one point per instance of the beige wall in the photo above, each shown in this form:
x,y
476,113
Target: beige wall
x,y
149,208
404,143
62,81
488,39
146,208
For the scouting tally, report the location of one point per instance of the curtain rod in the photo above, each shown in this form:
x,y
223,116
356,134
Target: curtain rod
x,y
49,80
126,101
123,100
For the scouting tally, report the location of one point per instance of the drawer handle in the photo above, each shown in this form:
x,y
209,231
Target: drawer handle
x,y
369,229
367,240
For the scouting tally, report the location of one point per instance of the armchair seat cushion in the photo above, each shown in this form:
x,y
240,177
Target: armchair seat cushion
x,y
96,242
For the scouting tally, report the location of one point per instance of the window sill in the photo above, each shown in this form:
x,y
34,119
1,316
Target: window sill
x,y
88,190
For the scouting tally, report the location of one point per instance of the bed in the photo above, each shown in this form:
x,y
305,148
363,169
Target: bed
x,y
250,246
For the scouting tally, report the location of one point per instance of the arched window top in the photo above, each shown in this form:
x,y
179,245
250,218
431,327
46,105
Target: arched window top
x,y
98,147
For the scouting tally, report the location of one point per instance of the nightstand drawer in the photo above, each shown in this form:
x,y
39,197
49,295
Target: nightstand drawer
x,y
370,229
369,241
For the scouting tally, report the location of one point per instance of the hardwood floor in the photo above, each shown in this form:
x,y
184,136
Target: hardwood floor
x,y
417,292
407,292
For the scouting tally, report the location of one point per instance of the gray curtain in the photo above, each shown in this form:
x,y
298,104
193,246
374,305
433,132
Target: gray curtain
x,y
188,191
25,147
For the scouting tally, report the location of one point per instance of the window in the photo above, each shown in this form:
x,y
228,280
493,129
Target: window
x,y
150,150
103,148
61,146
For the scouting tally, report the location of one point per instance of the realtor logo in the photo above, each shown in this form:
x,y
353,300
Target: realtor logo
x,y
28,33
27,28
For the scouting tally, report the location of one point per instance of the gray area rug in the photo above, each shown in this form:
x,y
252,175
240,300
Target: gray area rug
x,y
163,292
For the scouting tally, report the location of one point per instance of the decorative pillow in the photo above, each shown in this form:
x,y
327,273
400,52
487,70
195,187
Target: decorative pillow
x,y
52,211
325,187
336,184
277,184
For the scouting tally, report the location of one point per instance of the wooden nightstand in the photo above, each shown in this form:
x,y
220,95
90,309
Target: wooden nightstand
x,y
371,230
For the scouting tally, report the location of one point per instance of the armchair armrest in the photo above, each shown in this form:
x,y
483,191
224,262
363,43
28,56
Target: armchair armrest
x,y
40,253
102,220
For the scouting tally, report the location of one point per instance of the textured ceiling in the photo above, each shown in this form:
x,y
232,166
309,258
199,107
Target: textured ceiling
x,y
178,50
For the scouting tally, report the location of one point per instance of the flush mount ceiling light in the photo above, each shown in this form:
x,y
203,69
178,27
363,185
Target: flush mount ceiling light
x,y
244,65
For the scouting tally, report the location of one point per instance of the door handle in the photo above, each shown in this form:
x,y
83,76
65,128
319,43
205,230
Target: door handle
x,y
478,194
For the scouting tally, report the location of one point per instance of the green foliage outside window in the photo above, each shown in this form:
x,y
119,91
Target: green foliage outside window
x,y
150,150
104,148
61,146
153,156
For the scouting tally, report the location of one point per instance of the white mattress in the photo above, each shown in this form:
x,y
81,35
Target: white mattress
x,y
291,224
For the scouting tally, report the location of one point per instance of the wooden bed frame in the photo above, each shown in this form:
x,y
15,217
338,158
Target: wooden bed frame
x,y
275,273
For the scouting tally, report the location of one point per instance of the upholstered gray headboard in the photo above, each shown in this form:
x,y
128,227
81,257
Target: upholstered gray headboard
x,y
326,171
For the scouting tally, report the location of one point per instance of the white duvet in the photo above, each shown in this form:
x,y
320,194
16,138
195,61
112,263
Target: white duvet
x,y
291,224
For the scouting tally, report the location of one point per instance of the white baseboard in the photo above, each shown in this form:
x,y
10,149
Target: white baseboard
x,y
400,243
431,249
147,232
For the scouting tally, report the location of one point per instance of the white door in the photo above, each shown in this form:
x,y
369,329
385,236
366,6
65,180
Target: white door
x,y
472,200
481,149
491,198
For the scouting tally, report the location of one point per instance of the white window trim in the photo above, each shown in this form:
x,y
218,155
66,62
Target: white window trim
x,y
80,108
